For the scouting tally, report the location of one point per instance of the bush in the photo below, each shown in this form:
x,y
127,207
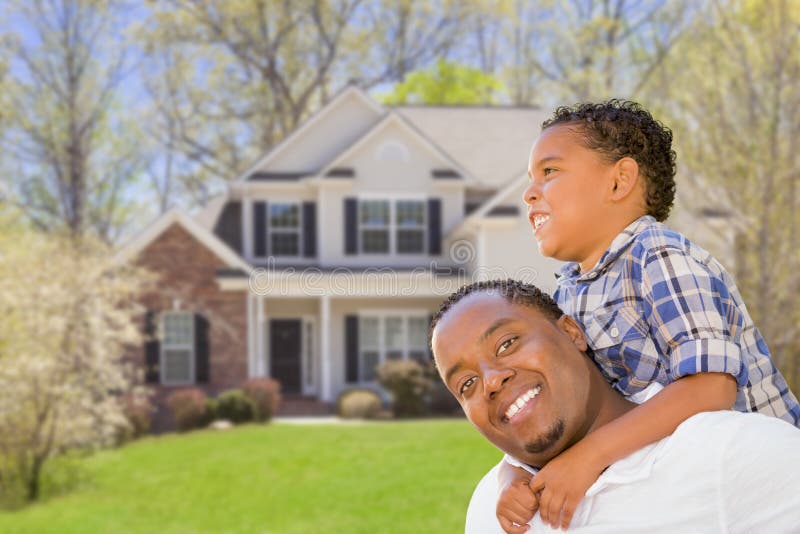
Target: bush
x,y
188,408
440,400
359,404
235,406
408,384
266,396
138,411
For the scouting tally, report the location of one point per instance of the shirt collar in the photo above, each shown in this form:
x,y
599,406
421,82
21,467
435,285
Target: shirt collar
x,y
620,243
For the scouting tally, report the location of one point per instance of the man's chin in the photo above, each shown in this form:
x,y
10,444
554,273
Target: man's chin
x,y
547,440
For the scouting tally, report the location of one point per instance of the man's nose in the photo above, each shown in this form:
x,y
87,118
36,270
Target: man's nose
x,y
494,379
532,193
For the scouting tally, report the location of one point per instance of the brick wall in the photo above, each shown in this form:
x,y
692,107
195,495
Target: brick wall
x,y
186,271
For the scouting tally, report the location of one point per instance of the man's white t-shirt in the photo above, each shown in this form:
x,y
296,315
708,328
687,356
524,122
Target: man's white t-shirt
x,y
718,472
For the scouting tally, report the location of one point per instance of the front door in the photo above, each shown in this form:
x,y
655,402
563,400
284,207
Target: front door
x,y
284,349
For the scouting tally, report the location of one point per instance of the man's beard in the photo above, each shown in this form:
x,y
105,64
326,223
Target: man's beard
x,y
540,445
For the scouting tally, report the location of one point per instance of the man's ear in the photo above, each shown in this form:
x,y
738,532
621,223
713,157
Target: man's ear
x,y
626,176
574,331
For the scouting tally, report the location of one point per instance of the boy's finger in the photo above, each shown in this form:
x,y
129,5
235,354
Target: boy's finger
x,y
544,505
567,513
510,528
554,510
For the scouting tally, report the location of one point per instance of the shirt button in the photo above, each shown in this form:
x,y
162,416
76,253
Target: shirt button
x,y
592,275
614,331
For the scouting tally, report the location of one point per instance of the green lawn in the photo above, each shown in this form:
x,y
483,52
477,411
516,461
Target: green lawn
x,y
375,477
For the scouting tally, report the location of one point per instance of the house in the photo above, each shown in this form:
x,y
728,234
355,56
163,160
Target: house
x,y
330,254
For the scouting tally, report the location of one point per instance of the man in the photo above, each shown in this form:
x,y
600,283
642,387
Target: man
x,y
518,367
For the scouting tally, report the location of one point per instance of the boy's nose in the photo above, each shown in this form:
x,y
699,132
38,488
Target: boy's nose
x,y
532,193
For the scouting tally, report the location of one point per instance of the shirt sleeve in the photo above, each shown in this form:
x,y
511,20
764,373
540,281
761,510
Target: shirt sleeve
x,y
692,315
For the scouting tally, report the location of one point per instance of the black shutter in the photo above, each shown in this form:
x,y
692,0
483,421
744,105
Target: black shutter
x,y
350,226
351,348
201,348
309,229
434,226
152,348
259,229
229,225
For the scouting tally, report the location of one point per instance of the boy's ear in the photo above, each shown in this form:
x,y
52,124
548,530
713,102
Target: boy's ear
x,y
626,176
573,330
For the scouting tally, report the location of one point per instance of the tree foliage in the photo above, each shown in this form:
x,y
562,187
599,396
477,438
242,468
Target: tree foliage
x,y
66,316
446,83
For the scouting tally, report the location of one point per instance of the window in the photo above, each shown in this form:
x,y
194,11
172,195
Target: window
x,y
284,229
177,348
374,219
392,226
391,337
410,220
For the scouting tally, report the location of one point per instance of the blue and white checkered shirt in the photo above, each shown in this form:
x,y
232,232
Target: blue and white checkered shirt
x,y
657,307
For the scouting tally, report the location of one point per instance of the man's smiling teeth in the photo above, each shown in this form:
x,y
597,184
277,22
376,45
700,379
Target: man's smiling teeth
x,y
539,220
521,401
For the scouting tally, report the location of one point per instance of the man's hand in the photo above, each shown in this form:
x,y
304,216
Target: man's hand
x,y
561,484
516,506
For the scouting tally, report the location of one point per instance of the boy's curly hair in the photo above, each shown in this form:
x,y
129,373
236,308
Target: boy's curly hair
x,y
621,128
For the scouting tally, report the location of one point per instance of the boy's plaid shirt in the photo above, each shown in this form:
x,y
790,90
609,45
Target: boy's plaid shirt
x,y
656,307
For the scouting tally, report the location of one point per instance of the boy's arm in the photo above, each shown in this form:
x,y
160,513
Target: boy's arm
x,y
517,503
565,479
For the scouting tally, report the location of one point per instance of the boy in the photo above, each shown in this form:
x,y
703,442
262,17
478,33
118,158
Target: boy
x,y
654,306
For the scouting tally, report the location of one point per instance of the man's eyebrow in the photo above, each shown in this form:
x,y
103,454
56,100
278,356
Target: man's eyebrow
x,y
494,326
450,372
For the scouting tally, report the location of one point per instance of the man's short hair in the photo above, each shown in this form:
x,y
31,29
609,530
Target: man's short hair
x,y
513,291
621,128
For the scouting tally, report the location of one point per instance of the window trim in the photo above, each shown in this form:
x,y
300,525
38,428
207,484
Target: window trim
x,y
164,346
382,349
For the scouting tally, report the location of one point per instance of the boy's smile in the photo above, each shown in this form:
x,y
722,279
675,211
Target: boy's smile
x,y
568,197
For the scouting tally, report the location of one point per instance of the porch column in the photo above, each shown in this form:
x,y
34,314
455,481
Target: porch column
x,y
325,347
261,345
252,329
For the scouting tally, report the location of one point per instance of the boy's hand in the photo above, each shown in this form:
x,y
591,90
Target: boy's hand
x,y
516,507
562,483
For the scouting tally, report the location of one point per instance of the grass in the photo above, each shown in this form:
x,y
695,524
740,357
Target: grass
x,y
279,478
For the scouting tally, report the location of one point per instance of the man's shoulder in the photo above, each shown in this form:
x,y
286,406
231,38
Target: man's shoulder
x,y
481,518
732,430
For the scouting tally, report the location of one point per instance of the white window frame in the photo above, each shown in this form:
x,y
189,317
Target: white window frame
x,y
164,346
392,227
382,349
282,230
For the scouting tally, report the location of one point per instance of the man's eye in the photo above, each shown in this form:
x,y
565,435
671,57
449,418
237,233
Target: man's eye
x,y
466,385
505,344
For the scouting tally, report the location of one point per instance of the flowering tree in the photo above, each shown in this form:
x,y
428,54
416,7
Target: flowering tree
x,y
67,313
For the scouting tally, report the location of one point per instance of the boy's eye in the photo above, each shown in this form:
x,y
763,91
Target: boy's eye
x,y
466,385
548,170
505,344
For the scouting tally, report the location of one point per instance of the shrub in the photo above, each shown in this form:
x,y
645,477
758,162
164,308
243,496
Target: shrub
x,y
359,404
440,400
188,407
408,384
235,406
266,396
138,411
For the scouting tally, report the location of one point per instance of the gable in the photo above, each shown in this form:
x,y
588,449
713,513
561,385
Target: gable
x,y
394,156
322,137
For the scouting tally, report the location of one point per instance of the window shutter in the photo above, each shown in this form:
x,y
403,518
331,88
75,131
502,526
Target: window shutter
x,y
152,348
229,225
201,348
260,229
350,226
309,229
351,348
434,226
